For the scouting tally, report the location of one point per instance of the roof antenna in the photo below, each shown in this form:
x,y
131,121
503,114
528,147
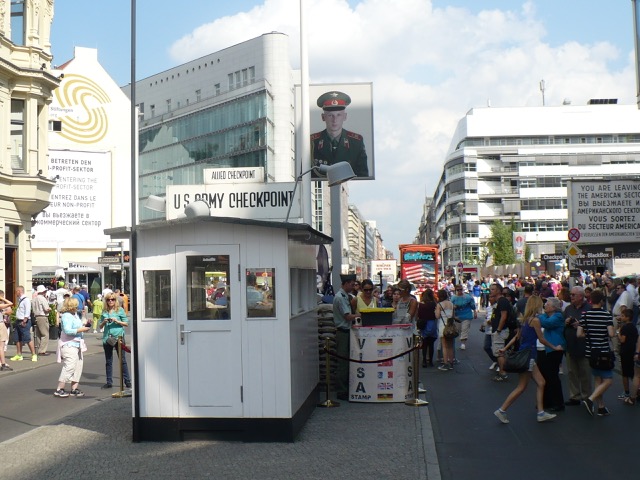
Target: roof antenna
x,y
542,90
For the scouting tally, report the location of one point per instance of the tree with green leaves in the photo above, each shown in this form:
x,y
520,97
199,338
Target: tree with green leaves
x,y
500,243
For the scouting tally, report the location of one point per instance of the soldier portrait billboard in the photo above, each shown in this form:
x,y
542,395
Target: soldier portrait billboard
x,y
342,127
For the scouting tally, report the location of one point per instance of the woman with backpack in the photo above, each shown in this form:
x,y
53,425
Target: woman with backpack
x,y
444,314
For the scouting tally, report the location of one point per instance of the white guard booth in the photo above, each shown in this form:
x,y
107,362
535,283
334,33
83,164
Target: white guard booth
x,y
225,342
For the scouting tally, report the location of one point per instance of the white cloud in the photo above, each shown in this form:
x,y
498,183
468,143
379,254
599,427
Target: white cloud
x,y
428,66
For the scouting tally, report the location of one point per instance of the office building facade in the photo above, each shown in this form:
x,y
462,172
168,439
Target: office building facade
x,y
231,108
513,164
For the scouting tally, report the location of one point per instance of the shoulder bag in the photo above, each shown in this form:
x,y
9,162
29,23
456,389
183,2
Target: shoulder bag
x,y
518,361
450,330
599,359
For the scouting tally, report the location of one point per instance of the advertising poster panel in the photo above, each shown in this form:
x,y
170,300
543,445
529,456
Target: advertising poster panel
x,y
80,202
341,121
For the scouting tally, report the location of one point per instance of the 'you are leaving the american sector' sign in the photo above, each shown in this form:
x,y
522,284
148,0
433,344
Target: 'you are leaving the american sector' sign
x,y
235,192
605,211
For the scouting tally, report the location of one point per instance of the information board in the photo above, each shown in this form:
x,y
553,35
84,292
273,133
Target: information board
x,y
605,211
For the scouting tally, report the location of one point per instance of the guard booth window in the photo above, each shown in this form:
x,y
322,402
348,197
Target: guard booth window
x,y
157,293
261,298
207,287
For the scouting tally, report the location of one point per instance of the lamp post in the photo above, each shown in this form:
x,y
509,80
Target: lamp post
x,y
336,174
460,210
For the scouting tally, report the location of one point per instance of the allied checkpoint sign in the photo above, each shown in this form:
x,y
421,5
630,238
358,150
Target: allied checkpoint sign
x,y
605,211
257,201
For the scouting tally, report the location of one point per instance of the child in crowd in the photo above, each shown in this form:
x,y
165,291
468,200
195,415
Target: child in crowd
x,y
628,337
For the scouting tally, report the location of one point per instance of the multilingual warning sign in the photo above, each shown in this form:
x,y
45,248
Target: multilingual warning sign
x,y
605,211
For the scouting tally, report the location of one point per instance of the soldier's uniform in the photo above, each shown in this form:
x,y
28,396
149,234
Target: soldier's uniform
x,y
349,147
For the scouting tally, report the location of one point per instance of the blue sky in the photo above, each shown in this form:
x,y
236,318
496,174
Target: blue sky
x,y
430,61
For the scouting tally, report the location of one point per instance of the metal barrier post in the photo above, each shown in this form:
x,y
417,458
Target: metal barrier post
x,y
328,403
415,401
122,393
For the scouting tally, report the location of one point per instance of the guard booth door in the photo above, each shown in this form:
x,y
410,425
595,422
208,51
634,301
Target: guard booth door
x,y
209,336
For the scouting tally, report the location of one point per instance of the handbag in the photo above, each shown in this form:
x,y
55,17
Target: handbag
x,y
112,341
450,330
602,359
599,359
517,361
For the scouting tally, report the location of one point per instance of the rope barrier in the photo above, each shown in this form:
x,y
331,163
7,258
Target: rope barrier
x,y
380,360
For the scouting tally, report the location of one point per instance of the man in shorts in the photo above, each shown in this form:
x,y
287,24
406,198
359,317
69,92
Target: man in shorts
x,y
23,326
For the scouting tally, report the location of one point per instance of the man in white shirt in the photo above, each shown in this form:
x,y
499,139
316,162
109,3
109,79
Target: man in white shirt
x,y
23,326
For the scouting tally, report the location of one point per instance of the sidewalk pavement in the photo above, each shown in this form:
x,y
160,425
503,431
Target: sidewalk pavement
x,y
93,340
354,440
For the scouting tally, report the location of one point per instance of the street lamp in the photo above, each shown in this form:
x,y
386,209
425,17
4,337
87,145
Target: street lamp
x,y
336,174
460,210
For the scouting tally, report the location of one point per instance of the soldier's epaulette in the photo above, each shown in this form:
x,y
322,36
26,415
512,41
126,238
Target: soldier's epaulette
x,y
316,136
354,135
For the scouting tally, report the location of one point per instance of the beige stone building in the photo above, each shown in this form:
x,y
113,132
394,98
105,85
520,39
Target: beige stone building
x,y
26,86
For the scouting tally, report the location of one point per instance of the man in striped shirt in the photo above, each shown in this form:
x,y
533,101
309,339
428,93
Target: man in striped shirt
x,y
597,325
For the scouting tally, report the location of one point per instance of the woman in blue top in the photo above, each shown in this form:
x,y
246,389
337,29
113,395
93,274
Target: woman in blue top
x,y
71,349
113,321
549,361
528,333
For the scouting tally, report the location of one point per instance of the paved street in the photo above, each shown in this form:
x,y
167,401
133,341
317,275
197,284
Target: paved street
x,y
385,441
473,444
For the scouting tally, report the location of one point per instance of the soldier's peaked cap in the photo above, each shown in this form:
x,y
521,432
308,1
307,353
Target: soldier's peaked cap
x,y
331,101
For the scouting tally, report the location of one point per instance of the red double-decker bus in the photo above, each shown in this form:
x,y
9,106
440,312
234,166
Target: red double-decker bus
x,y
420,265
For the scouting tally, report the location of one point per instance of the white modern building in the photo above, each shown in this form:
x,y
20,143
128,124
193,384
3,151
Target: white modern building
x,y
231,108
514,164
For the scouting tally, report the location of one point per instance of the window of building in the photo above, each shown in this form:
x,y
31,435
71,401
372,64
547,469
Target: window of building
x,y
198,95
55,126
252,74
543,204
17,22
153,110
17,134
245,77
168,105
230,80
216,87
238,79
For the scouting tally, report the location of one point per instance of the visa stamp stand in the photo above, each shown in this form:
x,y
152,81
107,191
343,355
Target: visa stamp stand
x,y
385,380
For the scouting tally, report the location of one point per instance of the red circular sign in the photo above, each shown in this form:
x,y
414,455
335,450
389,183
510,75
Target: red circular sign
x,y
574,235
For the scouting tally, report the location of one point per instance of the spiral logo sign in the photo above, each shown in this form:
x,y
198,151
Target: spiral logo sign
x,y
80,106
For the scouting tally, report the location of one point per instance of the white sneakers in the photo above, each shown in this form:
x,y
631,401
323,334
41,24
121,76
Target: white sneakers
x,y
463,346
493,366
502,416
544,416
541,417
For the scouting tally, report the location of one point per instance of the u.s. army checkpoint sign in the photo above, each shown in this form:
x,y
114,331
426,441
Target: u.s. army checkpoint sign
x,y
258,201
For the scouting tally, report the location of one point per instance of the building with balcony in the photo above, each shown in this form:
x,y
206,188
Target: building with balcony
x,y
26,87
514,163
